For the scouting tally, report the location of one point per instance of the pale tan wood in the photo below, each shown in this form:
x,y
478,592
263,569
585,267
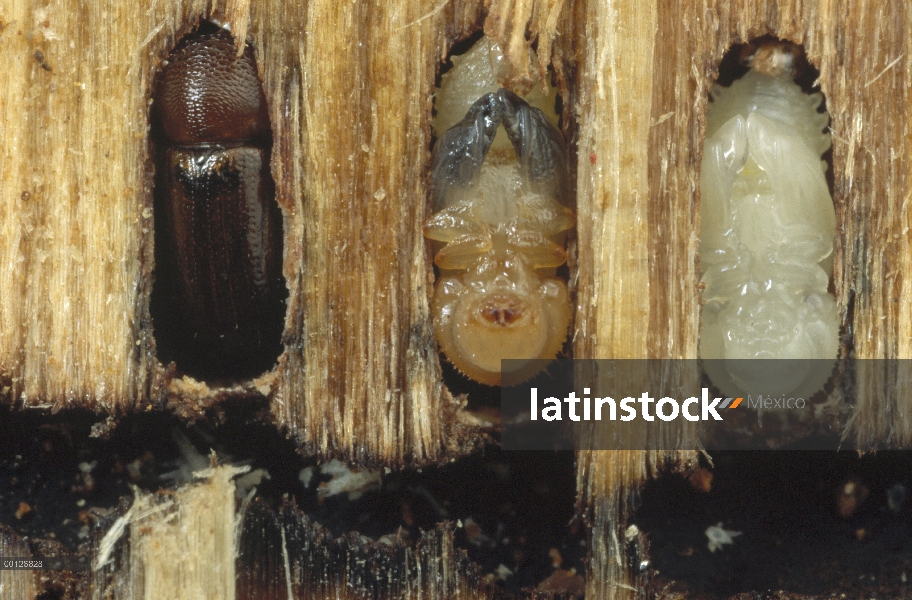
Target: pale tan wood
x,y
858,48
16,583
76,245
187,543
350,94
349,87
177,545
628,270
297,554
360,278
860,52
73,179
362,374
865,72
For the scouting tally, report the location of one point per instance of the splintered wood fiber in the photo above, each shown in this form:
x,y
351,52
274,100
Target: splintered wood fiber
x,y
76,182
350,94
286,555
859,49
362,376
645,72
178,545
637,280
72,216
16,583
194,543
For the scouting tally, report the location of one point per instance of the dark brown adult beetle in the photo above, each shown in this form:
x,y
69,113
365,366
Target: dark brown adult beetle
x,y
218,302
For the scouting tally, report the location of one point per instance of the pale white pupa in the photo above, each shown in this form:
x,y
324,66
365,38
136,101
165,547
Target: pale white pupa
x,y
766,237
499,192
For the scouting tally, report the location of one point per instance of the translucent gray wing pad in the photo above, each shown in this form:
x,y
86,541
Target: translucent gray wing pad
x,y
460,152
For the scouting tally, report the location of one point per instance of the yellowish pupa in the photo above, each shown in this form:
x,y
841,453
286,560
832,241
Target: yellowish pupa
x,y
767,231
499,194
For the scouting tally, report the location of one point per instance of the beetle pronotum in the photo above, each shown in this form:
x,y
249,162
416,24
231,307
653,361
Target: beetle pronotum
x,y
500,216
218,304
767,233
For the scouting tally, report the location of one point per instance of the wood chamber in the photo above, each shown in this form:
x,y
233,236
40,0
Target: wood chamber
x,y
349,91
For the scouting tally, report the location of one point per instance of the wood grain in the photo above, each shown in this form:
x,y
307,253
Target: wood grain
x,y
350,87
645,74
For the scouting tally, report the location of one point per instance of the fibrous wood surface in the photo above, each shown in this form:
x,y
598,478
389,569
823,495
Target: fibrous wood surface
x,y
350,88
645,73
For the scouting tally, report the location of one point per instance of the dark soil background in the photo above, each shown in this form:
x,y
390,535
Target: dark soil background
x,y
514,512
793,537
511,512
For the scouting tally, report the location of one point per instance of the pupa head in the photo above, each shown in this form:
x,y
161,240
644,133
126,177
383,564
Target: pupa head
x,y
482,318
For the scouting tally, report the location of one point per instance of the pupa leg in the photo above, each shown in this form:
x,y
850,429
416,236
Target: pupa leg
x,y
459,153
538,144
